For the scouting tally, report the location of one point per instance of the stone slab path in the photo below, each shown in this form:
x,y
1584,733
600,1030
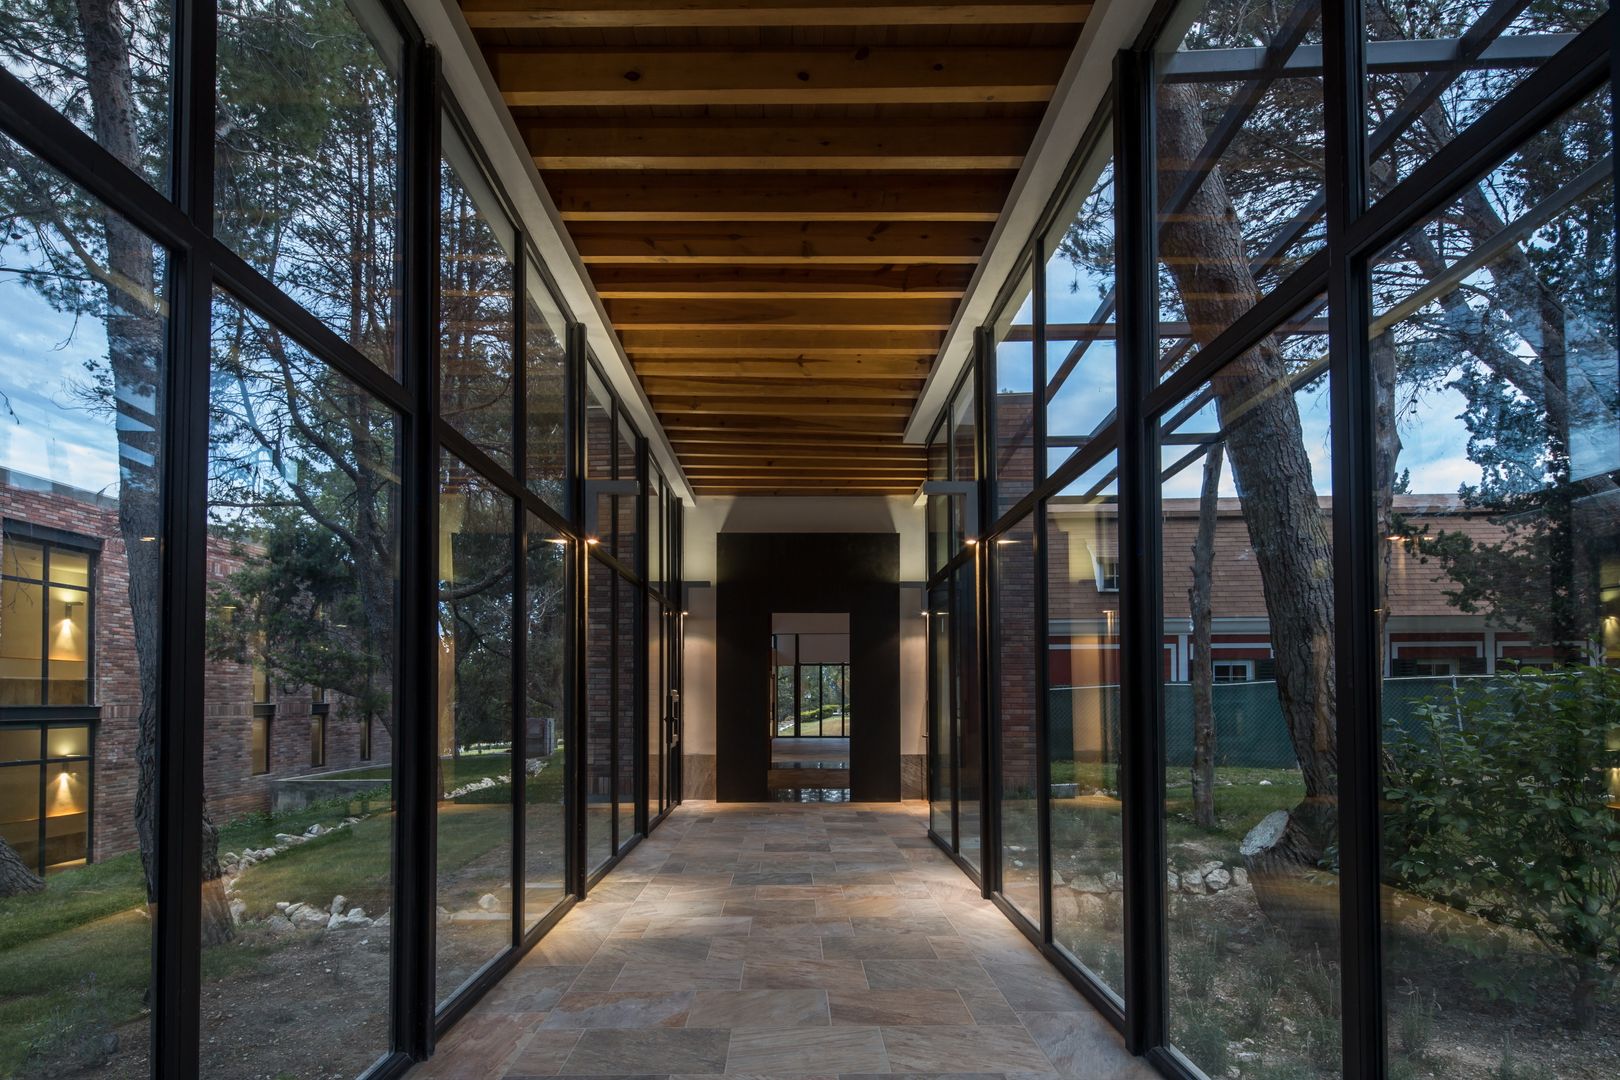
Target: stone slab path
x,y
793,940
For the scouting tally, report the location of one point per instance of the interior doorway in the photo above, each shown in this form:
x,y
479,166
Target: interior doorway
x,y
808,707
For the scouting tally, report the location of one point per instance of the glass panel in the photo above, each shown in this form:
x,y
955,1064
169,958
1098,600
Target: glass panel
x,y
24,559
1015,465
627,541
655,529
965,687
70,568
545,836
545,358
1083,727
104,66
627,694
1251,767
477,316
302,516
19,817
938,508
67,628
22,643
941,745
657,682
61,742
19,744
1016,632
1421,93
964,464
83,342
599,455
306,158
67,814
317,741
476,557
1240,161
599,639
1080,328
1494,332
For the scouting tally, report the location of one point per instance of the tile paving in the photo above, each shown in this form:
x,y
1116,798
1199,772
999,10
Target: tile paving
x,y
810,941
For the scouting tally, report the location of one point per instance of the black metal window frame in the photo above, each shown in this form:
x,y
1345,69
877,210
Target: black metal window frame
x,y
181,222
1356,232
44,760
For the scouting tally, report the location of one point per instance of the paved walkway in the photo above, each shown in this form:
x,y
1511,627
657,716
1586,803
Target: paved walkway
x,y
805,940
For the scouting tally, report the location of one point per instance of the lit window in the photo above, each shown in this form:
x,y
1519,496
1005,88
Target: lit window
x,y
46,767
46,623
261,743
317,738
1107,568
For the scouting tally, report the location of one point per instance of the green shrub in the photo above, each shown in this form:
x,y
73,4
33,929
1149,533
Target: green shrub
x,y
1321,1036
1273,961
1254,1007
1414,1025
1203,1040
1511,1068
1320,981
1496,804
1199,966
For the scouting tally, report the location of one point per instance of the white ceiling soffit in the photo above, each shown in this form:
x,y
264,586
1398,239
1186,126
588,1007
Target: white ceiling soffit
x,y
474,89
1112,26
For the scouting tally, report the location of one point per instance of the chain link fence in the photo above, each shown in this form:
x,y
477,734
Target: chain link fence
x,y
1249,728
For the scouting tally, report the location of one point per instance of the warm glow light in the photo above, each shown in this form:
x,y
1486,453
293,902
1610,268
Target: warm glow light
x,y
971,542
148,539
560,541
1006,541
593,541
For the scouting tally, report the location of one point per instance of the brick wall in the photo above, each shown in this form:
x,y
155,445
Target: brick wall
x,y
231,788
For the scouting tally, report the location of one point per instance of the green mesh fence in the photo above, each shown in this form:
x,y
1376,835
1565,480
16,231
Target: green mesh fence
x,y
1249,727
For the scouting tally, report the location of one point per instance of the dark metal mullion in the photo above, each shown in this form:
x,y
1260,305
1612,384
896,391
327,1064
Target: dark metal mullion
x,y
520,593
415,748
579,554
1357,649
643,749
1141,777
984,455
1043,743
177,971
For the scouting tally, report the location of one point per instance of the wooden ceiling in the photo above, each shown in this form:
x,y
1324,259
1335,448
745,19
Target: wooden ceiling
x,y
780,202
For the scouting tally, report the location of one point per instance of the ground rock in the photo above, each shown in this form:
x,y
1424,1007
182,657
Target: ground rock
x,y
1218,879
339,902
488,902
1192,882
279,924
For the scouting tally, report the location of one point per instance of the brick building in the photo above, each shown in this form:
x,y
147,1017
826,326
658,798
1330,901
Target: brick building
x,y
70,693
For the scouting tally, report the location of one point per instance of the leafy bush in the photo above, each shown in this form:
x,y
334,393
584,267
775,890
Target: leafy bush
x,y
1199,966
1496,805
1414,1025
1202,1039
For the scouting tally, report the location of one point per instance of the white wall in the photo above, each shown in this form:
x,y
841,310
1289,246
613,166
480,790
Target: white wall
x,y
711,516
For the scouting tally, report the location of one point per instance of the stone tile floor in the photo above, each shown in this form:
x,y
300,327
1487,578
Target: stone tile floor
x,y
802,940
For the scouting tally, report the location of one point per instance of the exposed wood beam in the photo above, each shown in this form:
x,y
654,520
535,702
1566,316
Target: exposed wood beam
x,y
714,344
836,75
798,282
784,390
615,195
635,14
788,369
743,470
801,487
781,313
774,459
805,408
573,143
773,243
789,444
776,425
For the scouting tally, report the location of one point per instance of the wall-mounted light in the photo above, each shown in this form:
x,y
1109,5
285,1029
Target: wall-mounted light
x,y
148,539
592,540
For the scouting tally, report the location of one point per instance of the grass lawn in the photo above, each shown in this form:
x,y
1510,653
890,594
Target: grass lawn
x,y
457,770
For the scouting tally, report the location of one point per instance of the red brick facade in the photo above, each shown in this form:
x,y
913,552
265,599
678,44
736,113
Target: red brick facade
x,y
232,788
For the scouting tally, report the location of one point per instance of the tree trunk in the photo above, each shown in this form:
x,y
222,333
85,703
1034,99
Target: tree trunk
x,y
1200,607
1387,452
15,876
135,352
1203,247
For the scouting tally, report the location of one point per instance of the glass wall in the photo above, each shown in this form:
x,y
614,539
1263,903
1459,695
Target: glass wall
x,y
215,411
1327,596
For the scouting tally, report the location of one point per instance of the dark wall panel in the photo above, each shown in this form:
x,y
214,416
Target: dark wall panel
x,y
763,573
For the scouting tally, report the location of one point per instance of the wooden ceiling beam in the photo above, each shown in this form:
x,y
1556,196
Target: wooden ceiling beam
x,y
782,425
787,282
562,144
788,444
762,407
835,75
788,486
616,195
636,14
766,342
776,243
781,389
786,369
781,313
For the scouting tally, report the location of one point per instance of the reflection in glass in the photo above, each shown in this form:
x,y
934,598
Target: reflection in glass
x,y
941,748
1016,633
1240,166
476,281
628,694
545,709
1014,455
306,158
476,557
969,749
1083,725
599,715
1494,336
1251,762
80,462
302,472
545,357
